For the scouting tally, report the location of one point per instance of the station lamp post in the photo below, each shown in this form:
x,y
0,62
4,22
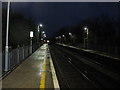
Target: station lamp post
x,y
43,36
86,30
39,26
70,36
31,36
7,31
63,38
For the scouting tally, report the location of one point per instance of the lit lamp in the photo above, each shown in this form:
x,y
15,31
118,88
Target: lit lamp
x,y
87,32
64,38
42,39
43,32
31,36
70,36
39,26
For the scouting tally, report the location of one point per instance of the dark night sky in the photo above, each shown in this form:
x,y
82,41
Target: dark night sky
x,y
56,15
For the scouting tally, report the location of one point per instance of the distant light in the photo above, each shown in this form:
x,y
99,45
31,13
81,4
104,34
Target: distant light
x,y
41,25
70,33
44,40
85,28
56,37
59,36
44,35
41,38
31,34
63,35
43,32
48,41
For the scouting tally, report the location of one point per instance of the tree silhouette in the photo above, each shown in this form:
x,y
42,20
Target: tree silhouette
x,y
19,29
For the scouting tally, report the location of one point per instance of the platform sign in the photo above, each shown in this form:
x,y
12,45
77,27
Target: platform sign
x,y
31,34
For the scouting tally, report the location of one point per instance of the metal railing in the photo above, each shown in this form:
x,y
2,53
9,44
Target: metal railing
x,y
16,56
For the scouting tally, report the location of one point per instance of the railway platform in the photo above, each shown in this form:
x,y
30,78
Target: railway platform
x,y
36,72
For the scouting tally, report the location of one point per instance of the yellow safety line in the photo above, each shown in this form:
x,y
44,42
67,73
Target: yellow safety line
x,y
42,81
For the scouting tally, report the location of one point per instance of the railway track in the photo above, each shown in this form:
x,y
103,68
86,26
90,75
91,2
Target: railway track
x,y
75,71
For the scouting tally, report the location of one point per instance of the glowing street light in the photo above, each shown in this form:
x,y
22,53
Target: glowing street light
x,y
48,41
43,32
42,39
41,25
64,38
87,32
70,33
85,28
70,36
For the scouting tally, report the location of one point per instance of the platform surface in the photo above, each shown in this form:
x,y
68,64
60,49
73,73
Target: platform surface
x,y
29,73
